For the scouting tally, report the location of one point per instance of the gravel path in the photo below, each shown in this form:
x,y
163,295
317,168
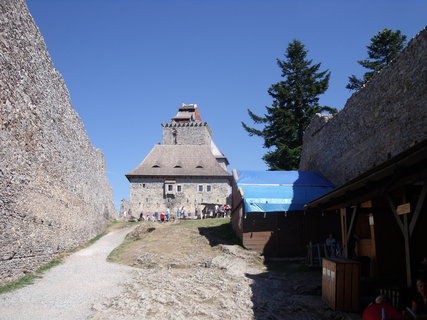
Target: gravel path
x,y
69,290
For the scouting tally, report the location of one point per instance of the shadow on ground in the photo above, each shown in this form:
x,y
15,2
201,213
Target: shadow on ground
x,y
287,289
222,234
291,290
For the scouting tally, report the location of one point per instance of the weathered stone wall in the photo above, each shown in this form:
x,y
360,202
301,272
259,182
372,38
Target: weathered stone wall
x,y
194,133
378,122
124,207
54,194
148,194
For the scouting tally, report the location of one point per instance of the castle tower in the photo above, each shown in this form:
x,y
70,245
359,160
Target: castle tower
x,y
187,128
186,170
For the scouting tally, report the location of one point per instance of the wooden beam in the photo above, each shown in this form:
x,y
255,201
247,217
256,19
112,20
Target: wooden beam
x,y
242,193
361,192
407,252
417,211
343,216
405,232
353,219
236,176
373,266
396,216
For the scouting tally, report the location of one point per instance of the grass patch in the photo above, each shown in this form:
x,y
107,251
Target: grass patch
x,y
29,278
118,224
215,229
117,253
202,223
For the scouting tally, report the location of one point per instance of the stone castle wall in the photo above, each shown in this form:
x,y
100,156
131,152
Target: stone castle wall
x,y
193,133
148,194
54,194
378,122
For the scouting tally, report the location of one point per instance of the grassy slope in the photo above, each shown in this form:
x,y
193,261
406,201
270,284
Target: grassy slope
x,y
216,230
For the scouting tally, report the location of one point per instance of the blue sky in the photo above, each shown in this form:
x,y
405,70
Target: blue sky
x,y
130,64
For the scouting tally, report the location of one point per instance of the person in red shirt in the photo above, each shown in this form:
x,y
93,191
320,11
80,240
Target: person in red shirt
x,y
381,309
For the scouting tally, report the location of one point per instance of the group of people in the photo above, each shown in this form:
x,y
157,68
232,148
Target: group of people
x,y
222,211
156,216
217,211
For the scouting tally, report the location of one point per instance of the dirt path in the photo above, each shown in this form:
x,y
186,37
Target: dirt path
x,y
186,274
69,290
171,272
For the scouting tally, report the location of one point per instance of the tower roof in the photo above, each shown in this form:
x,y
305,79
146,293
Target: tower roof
x,y
187,113
179,160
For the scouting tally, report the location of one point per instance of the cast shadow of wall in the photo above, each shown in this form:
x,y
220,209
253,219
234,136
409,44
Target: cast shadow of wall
x,y
286,289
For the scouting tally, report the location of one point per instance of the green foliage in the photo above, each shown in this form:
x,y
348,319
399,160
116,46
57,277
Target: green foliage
x,y
384,47
295,102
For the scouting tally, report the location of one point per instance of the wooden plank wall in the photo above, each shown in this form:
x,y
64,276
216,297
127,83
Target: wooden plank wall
x,y
279,234
260,232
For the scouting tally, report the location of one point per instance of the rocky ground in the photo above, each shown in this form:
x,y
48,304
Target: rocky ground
x,y
187,273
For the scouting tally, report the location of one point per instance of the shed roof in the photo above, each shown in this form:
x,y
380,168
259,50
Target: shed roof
x,y
275,191
179,160
406,168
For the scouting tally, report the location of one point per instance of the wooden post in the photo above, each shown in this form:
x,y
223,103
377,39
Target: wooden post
x,y
407,251
352,222
417,211
344,231
372,269
404,228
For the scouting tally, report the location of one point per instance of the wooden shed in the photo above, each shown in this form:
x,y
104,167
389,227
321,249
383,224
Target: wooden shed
x,y
383,216
268,211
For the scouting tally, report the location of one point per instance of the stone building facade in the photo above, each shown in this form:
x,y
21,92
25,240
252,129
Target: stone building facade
x,y
382,119
186,170
54,194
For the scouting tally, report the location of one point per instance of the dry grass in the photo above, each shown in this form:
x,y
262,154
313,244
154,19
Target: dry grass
x,y
176,245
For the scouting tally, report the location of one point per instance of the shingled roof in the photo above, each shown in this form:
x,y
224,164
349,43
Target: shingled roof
x,y
187,113
179,160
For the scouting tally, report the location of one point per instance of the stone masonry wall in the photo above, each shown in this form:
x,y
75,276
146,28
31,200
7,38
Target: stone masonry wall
x,y
54,194
379,121
147,194
193,133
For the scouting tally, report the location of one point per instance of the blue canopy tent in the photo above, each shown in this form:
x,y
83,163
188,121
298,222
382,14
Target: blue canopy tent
x,y
269,214
276,191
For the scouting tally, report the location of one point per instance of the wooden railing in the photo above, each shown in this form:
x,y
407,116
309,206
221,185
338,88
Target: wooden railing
x,y
317,251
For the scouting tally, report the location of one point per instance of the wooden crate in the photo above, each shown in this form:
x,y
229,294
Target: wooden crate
x,y
340,284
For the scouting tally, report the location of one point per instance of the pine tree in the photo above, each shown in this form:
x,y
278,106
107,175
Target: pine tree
x,y
384,47
295,102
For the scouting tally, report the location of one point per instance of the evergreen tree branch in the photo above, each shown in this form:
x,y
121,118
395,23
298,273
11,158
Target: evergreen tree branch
x,y
255,118
252,131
